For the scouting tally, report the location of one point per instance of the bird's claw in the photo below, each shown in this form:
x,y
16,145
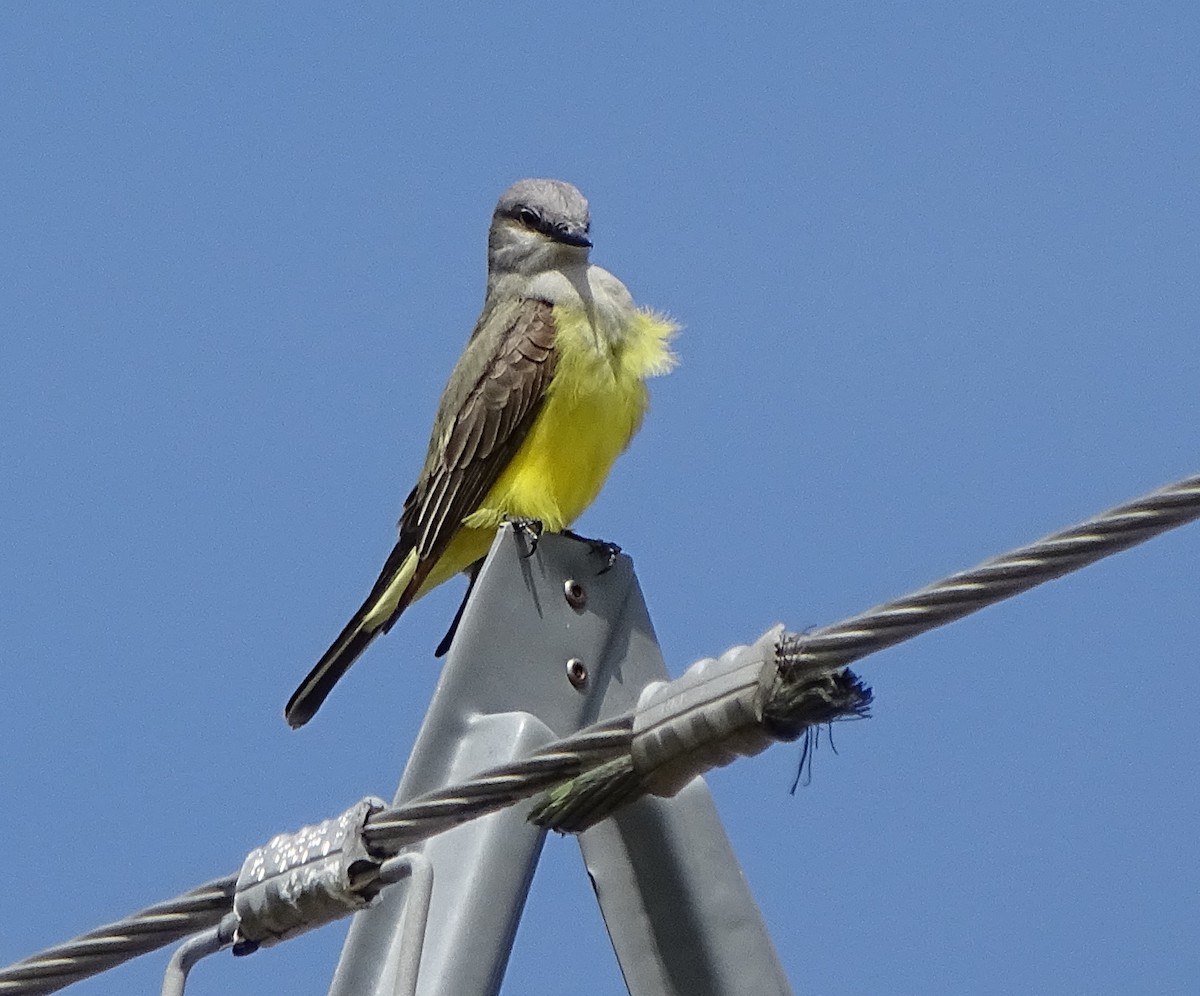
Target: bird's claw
x,y
610,551
531,529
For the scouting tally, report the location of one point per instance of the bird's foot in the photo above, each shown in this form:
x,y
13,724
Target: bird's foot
x,y
610,551
531,529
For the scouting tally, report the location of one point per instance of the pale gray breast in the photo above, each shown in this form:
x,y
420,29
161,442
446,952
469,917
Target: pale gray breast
x,y
613,306
591,289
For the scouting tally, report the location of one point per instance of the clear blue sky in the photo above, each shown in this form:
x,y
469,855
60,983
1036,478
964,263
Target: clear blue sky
x,y
937,265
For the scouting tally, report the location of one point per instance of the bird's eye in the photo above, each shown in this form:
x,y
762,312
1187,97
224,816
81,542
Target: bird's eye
x,y
528,217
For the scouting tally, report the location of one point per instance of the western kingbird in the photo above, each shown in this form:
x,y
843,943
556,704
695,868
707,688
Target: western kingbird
x,y
548,393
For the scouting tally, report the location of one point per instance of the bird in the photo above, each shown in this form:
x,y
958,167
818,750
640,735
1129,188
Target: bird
x,y
549,391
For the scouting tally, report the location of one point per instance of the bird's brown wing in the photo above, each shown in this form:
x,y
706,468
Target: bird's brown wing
x,y
480,438
486,411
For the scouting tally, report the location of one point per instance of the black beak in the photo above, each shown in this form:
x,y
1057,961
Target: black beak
x,y
572,238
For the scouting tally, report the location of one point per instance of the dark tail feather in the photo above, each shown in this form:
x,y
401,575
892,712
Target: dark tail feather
x,y
443,648
353,640
335,662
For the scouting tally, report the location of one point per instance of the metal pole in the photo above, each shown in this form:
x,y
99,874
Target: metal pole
x,y
545,644
504,690
677,907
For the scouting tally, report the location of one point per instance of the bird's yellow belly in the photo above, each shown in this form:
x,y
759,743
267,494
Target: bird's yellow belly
x,y
558,471
592,409
564,461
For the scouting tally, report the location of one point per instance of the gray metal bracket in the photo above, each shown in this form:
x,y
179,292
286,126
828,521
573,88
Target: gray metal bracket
x,y
548,644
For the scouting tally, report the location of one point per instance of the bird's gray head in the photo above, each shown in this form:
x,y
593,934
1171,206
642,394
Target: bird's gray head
x,y
538,225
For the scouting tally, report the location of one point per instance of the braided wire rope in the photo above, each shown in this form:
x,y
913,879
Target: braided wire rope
x,y
499,787
115,943
832,647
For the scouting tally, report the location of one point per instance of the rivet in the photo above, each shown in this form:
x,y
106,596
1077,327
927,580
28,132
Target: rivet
x,y
576,596
577,673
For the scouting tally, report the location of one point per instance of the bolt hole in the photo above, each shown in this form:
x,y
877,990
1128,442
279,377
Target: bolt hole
x,y
577,673
574,593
